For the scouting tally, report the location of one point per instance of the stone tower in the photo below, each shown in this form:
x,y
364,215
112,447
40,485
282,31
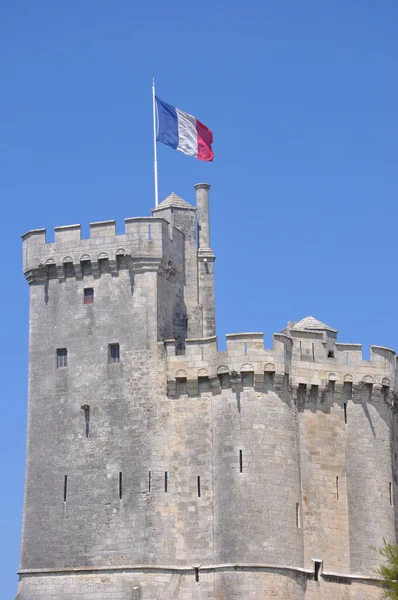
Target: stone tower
x,y
161,468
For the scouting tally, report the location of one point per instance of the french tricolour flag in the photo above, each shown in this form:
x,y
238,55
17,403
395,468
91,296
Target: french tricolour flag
x,y
183,132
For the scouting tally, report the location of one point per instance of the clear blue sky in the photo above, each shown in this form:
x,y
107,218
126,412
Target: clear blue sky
x,y
302,98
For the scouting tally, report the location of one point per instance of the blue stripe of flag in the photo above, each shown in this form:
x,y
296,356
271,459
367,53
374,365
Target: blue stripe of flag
x,y
167,124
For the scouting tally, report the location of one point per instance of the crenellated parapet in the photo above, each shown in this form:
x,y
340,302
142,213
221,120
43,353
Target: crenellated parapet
x,y
147,243
310,362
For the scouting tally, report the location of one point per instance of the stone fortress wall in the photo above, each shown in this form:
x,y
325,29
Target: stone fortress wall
x,y
181,472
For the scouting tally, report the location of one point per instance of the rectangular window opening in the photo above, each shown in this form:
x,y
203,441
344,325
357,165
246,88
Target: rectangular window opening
x,y
62,358
204,384
313,352
224,380
199,492
65,487
269,381
240,461
247,378
301,352
298,515
87,420
120,485
345,412
181,386
331,354
88,296
196,574
390,491
114,353
165,481
337,488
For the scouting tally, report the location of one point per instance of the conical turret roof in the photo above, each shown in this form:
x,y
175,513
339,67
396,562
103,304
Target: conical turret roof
x,y
313,324
174,201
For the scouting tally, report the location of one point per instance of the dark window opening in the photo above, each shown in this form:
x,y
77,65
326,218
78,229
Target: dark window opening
x,y
240,461
165,481
317,568
331,354
149,481
199,492
247,378
114,353
62,358
88,296
269,381
337,488
65,487
196,569
204,384
224,381
181,386
86,409
120,486
345,413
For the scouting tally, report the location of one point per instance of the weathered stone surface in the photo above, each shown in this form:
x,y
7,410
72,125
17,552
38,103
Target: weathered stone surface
x,y
181,472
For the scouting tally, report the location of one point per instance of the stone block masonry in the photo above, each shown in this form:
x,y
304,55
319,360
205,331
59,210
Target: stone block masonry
x,y
160,467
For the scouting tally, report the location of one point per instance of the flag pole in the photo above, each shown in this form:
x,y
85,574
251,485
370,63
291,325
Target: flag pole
x,y
155,163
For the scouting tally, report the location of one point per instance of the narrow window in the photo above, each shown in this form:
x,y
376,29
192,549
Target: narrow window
x,y
86,409
149,234
240,461
317,567
149,481
196,574
298,515
313,352
120,486
346,358
62,358
65,487
331,354
198,486
301,352
245,347
165,481
345,412
88,296
114,353
390,491
337,488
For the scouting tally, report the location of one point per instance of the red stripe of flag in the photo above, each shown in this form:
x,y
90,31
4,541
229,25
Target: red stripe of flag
x,y
205,140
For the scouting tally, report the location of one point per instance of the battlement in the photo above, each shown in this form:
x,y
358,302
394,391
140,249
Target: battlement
x,y
146,241
305,357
